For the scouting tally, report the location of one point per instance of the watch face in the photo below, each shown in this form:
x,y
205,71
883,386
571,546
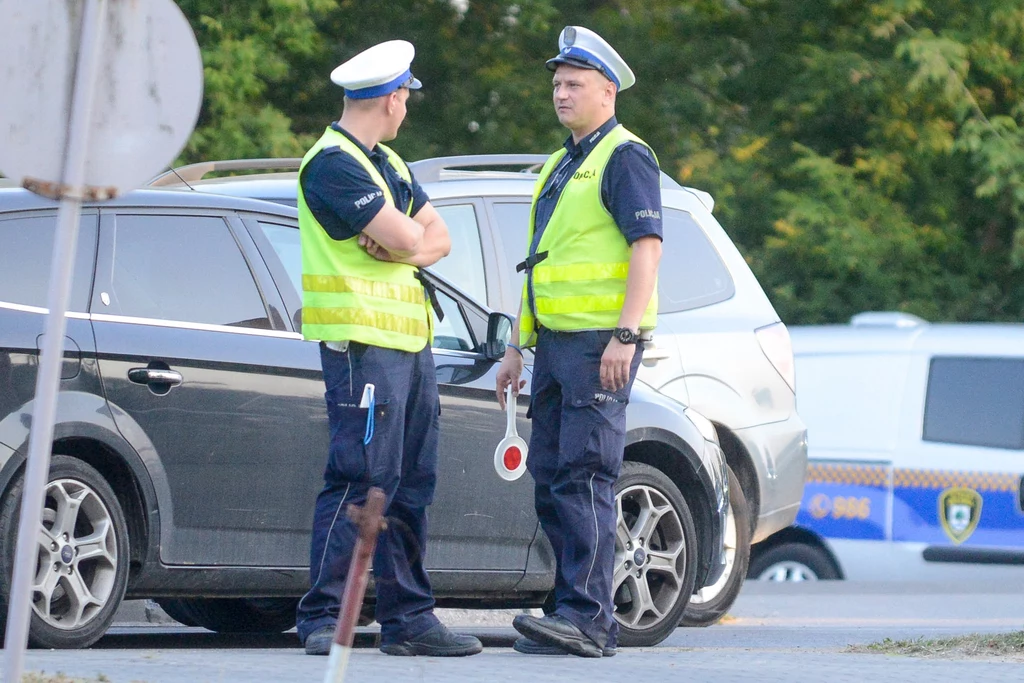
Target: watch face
x,y
625,335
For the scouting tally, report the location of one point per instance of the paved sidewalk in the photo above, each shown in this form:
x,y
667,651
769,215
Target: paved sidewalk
x,y
503,664
787,634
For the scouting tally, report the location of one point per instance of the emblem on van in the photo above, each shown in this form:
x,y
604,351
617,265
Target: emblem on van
x,y
959,512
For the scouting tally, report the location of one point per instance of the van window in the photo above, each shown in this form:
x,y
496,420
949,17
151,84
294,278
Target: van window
x,y
692,273
975,402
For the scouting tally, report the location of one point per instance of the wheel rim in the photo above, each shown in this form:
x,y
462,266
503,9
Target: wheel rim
x,y
708,593
77,562
650,557
788,572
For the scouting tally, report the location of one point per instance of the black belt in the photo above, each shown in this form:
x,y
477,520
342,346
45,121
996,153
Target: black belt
x,y
431,291
531,261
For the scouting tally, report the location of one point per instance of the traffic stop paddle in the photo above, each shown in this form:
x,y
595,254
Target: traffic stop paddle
x,y
370,522
98,96
510,455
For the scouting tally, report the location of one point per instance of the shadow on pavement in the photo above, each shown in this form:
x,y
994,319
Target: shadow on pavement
x,y
145,638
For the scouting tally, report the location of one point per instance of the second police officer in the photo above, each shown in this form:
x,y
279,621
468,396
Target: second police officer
x,y
591,274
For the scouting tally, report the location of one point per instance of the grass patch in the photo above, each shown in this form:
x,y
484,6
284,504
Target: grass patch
x,y
1006,645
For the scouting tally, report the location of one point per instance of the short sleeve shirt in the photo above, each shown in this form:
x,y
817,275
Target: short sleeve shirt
x,y
630,189
343,197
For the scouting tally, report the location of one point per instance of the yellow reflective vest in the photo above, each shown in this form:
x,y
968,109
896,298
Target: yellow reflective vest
x,y
581,284
347,295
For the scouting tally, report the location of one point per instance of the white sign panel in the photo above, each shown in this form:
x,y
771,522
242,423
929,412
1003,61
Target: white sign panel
x,y
147,98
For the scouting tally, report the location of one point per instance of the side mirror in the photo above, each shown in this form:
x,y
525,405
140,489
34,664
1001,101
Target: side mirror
x,y
499,333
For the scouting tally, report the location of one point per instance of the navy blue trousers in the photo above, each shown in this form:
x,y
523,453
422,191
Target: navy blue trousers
x,y
401,459
576,448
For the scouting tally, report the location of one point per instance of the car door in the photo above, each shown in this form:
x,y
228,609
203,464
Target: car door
x,y
195,359
477,521
962,442
26,247
481,521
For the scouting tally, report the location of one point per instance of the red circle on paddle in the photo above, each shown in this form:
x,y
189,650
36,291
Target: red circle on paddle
x,y
513,458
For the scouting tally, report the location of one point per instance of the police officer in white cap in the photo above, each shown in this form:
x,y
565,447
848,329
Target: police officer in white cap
x,y
594,247
366,228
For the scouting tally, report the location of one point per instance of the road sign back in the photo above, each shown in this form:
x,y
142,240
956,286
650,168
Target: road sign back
x,y
147,97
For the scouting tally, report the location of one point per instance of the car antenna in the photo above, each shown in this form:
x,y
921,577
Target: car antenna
x,y
175,172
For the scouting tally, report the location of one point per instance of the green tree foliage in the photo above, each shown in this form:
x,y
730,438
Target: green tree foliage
x,y
864,154
248,51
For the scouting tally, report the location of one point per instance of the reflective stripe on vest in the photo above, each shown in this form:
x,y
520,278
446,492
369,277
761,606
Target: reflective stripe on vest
x,y
346,293
581,285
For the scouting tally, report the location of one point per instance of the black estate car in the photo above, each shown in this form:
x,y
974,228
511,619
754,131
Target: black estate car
x,y
191,435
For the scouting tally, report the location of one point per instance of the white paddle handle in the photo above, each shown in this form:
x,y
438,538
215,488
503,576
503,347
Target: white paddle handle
x,y
510,412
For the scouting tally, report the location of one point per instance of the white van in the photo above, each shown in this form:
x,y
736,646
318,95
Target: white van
x,y
916,449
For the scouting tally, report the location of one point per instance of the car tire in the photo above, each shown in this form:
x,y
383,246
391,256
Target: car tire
x,y
233,615
710,603
648,607
88,552
793,563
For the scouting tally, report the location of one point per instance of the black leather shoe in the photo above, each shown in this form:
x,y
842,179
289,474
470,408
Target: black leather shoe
x,y
319,641
559,632
532,647
437,641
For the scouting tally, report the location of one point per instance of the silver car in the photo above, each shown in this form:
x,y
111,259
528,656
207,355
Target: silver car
x,y
719,348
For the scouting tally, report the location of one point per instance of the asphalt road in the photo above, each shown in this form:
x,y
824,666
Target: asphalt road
x,y
773,633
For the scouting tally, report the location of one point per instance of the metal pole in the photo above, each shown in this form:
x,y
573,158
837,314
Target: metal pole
x,y
52,352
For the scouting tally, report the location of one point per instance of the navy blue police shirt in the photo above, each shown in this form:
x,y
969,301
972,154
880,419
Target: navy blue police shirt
x,y
630,188
343,197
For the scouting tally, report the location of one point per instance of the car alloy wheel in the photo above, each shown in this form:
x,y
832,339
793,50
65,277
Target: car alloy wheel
x,y
787,572
655,555
82,551
793,562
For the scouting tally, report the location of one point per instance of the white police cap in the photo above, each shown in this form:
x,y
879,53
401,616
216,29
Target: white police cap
x,y
377,71
582,48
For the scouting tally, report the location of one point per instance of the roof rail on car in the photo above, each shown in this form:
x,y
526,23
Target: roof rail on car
x,y
429,170
887,319
194,172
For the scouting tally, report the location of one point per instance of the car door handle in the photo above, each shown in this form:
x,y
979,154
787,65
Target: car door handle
x,y
157,376
652,354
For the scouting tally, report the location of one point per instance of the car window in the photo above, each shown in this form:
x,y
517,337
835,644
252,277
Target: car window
x,y
451,333
692,273
976,402
513,220
285,241
464,266
26,249
183,268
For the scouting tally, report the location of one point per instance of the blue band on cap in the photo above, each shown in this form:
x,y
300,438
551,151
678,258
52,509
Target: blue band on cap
x,y
379,90
590,58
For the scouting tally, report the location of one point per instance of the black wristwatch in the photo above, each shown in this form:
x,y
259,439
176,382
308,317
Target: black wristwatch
x,y
626,335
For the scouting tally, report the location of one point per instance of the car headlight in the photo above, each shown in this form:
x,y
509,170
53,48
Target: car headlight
x,y
704,425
